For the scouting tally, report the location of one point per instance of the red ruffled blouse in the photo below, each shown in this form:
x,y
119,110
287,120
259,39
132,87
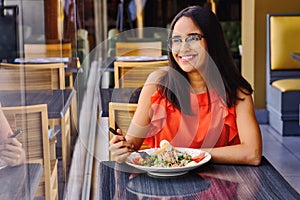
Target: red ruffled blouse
x,y
212,124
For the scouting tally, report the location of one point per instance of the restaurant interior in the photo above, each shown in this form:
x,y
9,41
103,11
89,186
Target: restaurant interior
x,y
70,69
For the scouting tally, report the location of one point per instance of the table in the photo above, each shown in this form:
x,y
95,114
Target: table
x,y
210,181
58,105
20,182
122,95
296,55
57,101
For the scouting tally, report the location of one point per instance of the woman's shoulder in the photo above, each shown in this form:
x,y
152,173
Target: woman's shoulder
x,y
152,83
150,89
156,76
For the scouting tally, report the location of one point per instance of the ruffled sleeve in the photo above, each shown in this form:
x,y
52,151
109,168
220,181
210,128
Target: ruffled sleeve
x,y
159,109
158,113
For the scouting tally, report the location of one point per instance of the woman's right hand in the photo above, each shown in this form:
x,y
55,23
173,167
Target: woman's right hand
x,y
11,152
119,148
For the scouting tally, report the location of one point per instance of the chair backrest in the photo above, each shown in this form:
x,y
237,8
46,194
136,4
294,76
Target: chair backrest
x,y
139,48
32,76
48,50
120,115
134,74
283,38
33,121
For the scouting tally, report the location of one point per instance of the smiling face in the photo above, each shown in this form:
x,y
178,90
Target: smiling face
x,y
190,56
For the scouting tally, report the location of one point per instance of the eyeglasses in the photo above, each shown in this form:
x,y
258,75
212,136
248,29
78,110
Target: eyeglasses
x,y
175,43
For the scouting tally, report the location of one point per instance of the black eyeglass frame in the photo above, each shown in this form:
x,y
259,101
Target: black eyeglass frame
x,y
200,36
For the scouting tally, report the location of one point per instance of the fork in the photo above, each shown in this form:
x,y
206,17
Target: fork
x,y
16,133
143,154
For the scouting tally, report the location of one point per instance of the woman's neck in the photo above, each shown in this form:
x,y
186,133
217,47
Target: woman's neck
x,y
197,83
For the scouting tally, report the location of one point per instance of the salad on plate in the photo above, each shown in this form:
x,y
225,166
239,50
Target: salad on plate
x,y
167,156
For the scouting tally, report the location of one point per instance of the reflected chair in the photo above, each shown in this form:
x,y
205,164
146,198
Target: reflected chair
x,y
283,73
56,50
32,120
134,74
23,77
32,76
60,50
153,48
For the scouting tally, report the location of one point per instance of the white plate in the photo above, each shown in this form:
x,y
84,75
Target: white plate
x,y
165,171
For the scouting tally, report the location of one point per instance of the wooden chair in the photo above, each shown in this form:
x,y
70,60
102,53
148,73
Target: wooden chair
x,y
283,73
134,74
32,120
139,48
120,116
32,76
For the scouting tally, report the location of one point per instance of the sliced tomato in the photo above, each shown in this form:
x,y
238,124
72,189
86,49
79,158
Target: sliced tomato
x,y
199,157
137,160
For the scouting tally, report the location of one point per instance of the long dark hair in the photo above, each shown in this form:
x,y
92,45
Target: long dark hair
x,y
178,92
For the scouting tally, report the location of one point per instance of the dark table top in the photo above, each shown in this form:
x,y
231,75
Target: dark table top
x,y
122,95
58,101
210,181
296,55
20,182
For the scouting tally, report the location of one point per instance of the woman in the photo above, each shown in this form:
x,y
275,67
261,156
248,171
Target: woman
x,y
11,151
201,101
